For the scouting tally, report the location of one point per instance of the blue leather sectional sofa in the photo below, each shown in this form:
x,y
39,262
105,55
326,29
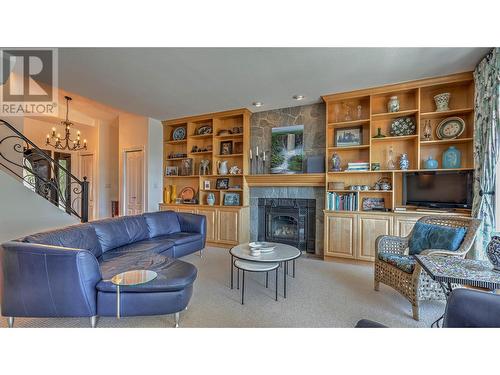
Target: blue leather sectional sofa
x,y
66,272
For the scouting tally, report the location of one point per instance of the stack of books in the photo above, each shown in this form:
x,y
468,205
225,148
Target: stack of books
x,y
358,166
342,202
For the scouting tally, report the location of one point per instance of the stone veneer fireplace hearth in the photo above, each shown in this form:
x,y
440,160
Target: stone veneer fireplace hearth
x,y
314,195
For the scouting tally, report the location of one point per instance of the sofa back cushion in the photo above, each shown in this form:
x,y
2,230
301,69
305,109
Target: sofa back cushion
x,y
162,222
120,231
429,236
81,236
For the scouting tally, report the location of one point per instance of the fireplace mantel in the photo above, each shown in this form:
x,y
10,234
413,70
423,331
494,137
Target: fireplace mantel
x,y
302,179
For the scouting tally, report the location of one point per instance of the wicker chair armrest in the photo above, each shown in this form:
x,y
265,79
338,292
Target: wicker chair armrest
x,y
391,244
443,252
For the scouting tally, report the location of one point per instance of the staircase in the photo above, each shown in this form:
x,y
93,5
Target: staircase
x,y
34,169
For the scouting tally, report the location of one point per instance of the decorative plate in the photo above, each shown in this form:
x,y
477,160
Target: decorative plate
x,y
179,134
450,128
403,126
187,193
207,129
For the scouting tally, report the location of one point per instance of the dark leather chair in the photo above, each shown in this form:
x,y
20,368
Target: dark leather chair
x,y
465,308
66,272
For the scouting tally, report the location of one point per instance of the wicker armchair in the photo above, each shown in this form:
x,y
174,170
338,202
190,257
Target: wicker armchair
x,y
418,286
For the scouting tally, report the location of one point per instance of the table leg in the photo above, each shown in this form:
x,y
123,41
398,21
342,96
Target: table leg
x,y
267,279
293,269
285,271
242,288
232,269
118,302
447,289
276,283
238,278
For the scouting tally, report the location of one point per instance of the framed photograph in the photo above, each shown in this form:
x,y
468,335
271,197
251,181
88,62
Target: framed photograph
x,y
186,167
206,185
346,137
222,183
238,147
171,171
287,149
231,199
226,148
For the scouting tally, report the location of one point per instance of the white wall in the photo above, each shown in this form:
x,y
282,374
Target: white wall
x,y
24,212
154,165
107,168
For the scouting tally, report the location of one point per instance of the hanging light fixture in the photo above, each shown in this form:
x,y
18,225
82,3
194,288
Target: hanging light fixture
x,y
66,143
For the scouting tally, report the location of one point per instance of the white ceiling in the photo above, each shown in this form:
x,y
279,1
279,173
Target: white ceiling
x,y
166,83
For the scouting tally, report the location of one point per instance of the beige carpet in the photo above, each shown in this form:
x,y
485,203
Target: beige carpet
x,y
323,294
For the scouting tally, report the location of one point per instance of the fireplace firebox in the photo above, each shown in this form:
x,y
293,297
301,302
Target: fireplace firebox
x,y
287,220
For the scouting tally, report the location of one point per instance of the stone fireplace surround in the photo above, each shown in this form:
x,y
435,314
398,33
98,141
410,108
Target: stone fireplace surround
x,y
317,193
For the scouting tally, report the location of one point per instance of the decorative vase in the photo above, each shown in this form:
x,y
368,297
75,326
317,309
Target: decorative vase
x,y
442,101
211,199
493,251
166,195
222,167
173,194
451,158
390,159
393,104
431,163
360,112
427,130
336,162
404,163
379,134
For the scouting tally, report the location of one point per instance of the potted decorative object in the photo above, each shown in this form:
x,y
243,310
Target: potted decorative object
x,y
390,159
442,101
393,104
379,134
493,251
173,195
427,130
211,199
431,163
404,163
452,158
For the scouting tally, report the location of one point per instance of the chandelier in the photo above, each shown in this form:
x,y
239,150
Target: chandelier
x,y
66,143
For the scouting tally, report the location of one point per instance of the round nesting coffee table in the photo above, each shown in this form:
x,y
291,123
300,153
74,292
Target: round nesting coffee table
x,y
134,277
281,254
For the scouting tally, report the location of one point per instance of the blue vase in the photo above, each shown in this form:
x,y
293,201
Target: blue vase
x,y
431,163
452,158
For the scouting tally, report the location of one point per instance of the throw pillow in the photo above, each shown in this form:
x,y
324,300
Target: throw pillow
x,y
430,236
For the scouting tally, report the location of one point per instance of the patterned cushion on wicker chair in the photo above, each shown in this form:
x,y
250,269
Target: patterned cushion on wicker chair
x,y
429,236
405,263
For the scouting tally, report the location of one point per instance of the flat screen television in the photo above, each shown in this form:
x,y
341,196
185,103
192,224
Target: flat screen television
x,y
446,189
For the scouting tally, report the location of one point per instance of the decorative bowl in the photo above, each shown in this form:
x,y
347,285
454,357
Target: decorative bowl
x,y
442,100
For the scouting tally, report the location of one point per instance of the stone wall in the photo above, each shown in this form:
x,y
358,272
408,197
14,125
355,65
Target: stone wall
x,y
311,116
313,119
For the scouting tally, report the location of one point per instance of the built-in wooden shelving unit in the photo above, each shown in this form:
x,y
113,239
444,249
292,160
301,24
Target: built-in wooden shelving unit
x,y
352,234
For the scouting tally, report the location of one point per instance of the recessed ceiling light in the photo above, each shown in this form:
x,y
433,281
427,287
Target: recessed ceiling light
x,y
258,104
298,97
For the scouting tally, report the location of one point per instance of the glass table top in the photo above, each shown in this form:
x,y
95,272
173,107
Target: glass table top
x,y
281,253
134,277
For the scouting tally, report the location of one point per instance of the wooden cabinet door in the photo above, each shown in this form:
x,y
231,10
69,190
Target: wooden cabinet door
x,y
211,216
228,226
189,210
403,225
340,235
369,228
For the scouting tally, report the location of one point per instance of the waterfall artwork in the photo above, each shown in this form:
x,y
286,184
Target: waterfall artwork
x,y
287,149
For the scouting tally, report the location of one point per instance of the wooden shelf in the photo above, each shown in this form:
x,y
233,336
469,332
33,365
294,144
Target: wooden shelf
x,y
201,136
451,112
386,115
360,147
300,179
223,175
175,142
200,153
174,159
445,141
346,124
228,156
395,138
239,135
219,190
192,176
374,191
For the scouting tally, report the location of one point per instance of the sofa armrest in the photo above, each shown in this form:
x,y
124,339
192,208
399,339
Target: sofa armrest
x,y
472,308
192,223
48,281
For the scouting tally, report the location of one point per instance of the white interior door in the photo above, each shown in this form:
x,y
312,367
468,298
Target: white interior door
x,y
87,170
134,182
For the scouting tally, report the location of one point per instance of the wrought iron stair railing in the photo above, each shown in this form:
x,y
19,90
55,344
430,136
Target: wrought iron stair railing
x,y
69,193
